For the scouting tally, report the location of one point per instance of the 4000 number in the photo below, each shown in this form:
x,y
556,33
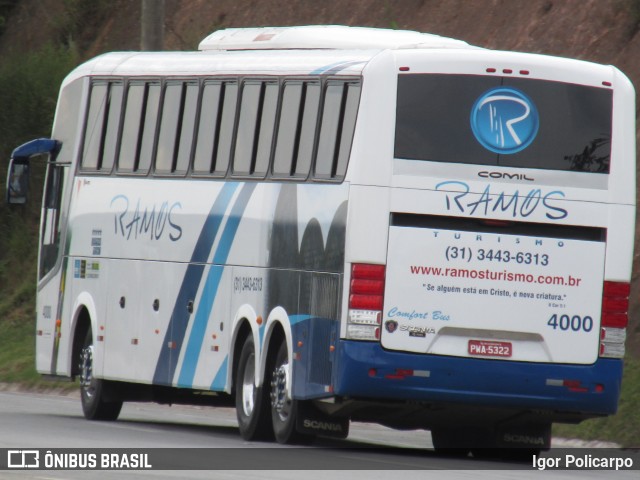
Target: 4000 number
x,y
575,323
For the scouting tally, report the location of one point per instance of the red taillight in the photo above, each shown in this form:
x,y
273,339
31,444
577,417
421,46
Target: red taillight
x,y
367,271
366,299
615,304
365,302
367,287
617,289
615,318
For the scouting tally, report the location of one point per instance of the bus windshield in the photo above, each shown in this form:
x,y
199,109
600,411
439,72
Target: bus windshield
x,y
508,122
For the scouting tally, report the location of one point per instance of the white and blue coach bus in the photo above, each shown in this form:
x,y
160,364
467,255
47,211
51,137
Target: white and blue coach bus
x,y
329,224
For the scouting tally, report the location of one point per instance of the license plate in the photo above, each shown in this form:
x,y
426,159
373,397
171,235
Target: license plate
x,y
486,348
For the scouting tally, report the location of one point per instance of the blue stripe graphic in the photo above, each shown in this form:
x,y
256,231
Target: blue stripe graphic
x,y
219,382
335,67
210,290
295,319
168,359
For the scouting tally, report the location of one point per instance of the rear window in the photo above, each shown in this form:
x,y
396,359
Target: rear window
x,y
509,122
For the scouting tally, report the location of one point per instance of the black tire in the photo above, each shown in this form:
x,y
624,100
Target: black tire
x,y
284,411
93,390
252,403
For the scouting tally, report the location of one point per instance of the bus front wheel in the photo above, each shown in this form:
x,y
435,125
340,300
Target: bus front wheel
x,y
93,390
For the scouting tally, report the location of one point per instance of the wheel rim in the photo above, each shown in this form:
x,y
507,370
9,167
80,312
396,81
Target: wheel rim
x,y
279,384
248,387
86,371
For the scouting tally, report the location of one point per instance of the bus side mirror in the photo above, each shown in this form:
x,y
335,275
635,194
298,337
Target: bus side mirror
x,y
18,181
18,175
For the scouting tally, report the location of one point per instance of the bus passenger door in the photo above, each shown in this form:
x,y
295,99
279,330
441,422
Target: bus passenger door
x,y
51,272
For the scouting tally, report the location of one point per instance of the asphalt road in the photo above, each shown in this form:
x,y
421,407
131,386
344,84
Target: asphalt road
x,y
47,421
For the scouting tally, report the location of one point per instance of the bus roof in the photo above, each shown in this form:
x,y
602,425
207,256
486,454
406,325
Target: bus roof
x,y
304,50
316,62
333,37
322,50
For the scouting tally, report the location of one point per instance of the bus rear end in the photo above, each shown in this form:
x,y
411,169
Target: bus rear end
x,y
501,304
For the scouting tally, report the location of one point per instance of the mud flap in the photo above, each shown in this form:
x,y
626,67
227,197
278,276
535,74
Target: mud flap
x,y
531,436
313,422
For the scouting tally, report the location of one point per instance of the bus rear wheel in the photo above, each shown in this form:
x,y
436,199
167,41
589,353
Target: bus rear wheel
x,y
284,410
93,390
251,401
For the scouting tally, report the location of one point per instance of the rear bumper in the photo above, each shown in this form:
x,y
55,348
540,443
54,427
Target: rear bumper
x,y
367,371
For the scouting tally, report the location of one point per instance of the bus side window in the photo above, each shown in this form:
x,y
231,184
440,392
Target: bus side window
x,y
102,126
254,137
307,126
139,127
177,127
149,129
169,123
348,128
248,128
267,127
225,131
110,142
93,130
296,129
187,127
215,130
287,129
133,121
337,128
